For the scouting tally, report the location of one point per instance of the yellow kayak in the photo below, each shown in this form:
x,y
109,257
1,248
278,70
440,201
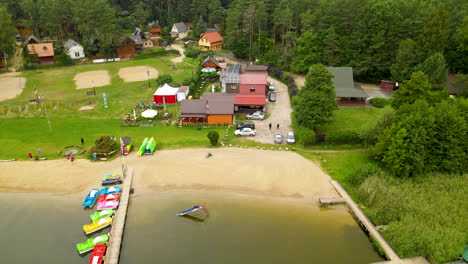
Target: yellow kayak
x,y
97,225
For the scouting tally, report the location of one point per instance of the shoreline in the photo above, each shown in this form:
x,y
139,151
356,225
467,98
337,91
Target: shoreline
x,y
259,173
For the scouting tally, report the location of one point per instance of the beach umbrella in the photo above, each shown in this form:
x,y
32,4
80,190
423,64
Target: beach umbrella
x,y
208,69
150,113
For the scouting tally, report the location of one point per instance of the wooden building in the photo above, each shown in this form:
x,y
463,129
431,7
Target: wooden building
x,y
212,109
126,49
230,79
44,52
210,62
211,41
154,30
348,93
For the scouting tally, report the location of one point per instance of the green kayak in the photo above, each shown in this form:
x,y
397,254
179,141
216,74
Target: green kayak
x,y
142,148
465,253
90,243
101,214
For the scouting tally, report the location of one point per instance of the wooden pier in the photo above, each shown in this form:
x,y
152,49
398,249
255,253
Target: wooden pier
x,y
118,225
325,201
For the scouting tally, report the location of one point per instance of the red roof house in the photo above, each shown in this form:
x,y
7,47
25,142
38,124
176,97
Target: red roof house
x,y
254,84
211,41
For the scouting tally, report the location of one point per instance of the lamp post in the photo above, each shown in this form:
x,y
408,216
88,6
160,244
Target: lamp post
x,y
149,85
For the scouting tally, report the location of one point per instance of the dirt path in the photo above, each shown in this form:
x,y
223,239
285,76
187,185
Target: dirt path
x,y
17,58
280,114
182,53
299,79
255,172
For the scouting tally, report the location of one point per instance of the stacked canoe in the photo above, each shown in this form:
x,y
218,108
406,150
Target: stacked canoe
x,y
147,147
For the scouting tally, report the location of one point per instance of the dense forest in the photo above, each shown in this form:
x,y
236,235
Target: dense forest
x,y
378,38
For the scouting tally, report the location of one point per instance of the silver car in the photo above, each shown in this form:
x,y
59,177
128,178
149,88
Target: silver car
x,y
246,131
278,138
257,116
290,138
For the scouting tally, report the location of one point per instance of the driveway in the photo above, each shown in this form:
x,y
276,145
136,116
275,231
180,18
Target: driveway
x,y
182,54
280,113
373,90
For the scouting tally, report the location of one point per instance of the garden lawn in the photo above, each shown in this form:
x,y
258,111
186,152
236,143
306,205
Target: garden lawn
x,y
20,136
352,118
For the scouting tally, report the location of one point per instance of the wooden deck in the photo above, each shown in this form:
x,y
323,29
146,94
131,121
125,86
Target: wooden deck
x,y
415,260
116,233
324,201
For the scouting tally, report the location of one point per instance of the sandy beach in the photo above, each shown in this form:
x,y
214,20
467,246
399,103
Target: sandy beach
x,y
247,171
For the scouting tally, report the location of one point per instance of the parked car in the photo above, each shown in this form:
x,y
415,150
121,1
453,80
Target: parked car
x,y
290,138
272,97
278,138
245,132
257,116
271,86
246,124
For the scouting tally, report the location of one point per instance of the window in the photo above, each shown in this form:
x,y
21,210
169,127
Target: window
x,y
77,54
252,89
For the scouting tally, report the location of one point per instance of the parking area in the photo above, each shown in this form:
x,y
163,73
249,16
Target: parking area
x,y
280,116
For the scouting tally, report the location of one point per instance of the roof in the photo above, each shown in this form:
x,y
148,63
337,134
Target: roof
x,y
219,103
154,23
180,26
254,68
212,36
242,99
139,32
70,43
183,89
344,83
231,74
41,49
193,107
31,40
166,89
136,39
210,58
253,79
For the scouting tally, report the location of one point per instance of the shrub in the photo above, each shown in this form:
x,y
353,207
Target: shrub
x,y
164,78
305,136
192,53
343,137
379,102
213,136
104,144
359,175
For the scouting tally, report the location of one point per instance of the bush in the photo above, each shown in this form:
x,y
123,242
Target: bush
x,y
305,136
213,136
192,53
379,102
104,144
164,78
343,137
359,175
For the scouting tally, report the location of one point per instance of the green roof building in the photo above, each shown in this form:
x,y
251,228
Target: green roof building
x,y
347,91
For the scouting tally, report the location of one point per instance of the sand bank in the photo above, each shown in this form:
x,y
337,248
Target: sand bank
x,y
10,86
247,171
92,79
138,73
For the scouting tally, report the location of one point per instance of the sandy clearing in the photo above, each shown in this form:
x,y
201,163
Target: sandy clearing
x,y
11,87
248,171
299,79
137,73
92,79
182,53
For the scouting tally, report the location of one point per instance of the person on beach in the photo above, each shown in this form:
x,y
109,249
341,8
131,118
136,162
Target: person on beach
x,y
269,126
38,151
68,156
82,141
30,155
72,159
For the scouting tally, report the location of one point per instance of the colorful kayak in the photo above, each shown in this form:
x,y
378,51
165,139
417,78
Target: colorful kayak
x,y
110,190
142,148
197,211
91,198
108,197
109,176
97,256
97,225
150,146
90,243
108,205
101,214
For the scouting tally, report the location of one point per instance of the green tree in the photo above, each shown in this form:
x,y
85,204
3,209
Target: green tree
x,y
164,78
406,59
435,68
307,52
315,102
331,49
213,136
141,14
416,88
7,34
200,27
436,31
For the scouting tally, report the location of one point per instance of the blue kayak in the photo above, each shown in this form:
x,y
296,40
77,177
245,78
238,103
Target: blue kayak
x,y
91,198
199,212
110,190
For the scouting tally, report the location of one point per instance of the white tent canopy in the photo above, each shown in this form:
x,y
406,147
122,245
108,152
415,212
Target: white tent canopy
x,y
166,89
150,113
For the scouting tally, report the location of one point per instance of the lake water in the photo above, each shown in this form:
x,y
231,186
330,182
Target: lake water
x,y
240,229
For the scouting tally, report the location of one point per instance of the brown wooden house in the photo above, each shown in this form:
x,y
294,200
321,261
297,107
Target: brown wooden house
x,y
155,30
44,51
126,49
211,62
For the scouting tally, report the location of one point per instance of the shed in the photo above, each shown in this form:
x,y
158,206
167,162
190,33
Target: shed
x,y
347,91
211,63
387,85
166,94
126,49
182,93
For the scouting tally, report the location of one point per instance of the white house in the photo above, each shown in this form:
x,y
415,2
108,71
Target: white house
x,y
74,49
179,30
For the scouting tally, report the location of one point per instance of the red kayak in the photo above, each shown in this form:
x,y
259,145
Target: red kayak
x,y
108,197
97,256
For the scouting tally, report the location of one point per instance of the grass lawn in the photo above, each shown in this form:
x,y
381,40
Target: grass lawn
x,y
352,118
20,136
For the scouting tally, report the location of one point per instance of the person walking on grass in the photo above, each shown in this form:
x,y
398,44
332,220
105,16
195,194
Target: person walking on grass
x,y
39,151
82,141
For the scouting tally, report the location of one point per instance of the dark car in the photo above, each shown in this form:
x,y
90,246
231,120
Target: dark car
x,y
111,182
272,97
246,124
